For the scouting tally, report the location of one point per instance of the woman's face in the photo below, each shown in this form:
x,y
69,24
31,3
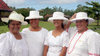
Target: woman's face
x,y
57,23
81,25
14,26
34,22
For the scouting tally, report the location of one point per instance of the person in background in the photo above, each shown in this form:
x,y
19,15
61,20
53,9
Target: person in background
x,y
12,43
56,42
83,41
35,35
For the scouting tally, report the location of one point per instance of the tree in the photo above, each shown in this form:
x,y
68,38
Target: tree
x,y
12,8
24,11
46,11
80,8
68,12
94,10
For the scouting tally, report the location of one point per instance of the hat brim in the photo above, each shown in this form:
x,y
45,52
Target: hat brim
x,y
38,17
59,18
86,18
7,20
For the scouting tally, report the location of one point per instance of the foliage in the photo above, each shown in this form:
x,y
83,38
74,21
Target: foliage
x,y
49,26
24,11
80,8
50,11
68,12
94,10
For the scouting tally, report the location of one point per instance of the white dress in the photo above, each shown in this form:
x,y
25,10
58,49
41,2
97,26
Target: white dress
x,y
10,46
35,40
56,43
84,44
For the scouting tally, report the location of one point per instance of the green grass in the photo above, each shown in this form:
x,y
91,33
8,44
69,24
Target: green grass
x,y
46,25
49,26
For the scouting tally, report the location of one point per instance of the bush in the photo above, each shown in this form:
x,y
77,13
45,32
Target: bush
x,y
2,23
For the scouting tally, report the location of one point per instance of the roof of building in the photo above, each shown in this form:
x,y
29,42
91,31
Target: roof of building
x,y
4,6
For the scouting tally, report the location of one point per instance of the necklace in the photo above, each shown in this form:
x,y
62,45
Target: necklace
x,y
75,42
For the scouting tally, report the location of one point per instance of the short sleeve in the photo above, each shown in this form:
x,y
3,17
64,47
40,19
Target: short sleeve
x,y
25,30
45,34
65,39
4,45
46,39
94,45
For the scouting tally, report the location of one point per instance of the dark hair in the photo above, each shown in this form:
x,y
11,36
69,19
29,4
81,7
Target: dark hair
x,y
87,21
62,25
10,22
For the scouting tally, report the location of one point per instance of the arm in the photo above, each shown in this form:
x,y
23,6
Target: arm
x,y
69,22
63,52
94,45
65,44
4,45
45,50
45,45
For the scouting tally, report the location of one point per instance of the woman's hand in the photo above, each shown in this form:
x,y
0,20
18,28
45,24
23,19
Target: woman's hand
x,y
63,52
74,16
45,50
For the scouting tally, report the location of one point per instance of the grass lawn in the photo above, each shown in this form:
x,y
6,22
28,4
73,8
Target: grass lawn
x,y
49,26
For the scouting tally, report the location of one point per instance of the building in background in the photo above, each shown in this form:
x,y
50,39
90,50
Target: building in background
x,y
4,9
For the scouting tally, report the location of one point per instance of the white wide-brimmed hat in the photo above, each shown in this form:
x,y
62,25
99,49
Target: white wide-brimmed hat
x,y
34,15
15,16
81,16
58,16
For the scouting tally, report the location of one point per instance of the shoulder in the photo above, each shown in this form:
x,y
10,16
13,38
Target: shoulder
x,y
44,29
25,29
65,33
4,35
22,34
90,32
49,32
93,35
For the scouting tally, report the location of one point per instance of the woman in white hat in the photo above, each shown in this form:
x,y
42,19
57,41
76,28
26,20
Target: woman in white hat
x,y
13,43
83,41
35,35
56,41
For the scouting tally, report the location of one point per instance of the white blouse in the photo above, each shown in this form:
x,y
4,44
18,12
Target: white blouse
x,y
56,43
35,41
10,46
84,44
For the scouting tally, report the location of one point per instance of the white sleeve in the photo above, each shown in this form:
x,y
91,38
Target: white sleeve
x,y
94,45
72,30
47,39
45,33
4,46
65,39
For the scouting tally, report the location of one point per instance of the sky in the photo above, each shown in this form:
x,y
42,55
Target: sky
x,y
41,4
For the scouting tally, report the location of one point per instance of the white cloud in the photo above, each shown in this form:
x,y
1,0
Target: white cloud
x,y
14,2
57,1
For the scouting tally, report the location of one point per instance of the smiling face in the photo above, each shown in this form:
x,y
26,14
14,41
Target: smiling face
x,y
81,25
34,22
14,26
57,23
